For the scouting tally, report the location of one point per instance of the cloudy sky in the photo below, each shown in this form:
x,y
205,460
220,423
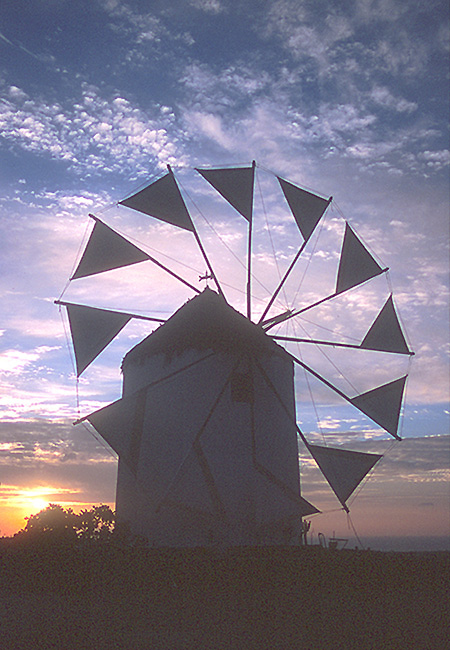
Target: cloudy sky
x,y
347,99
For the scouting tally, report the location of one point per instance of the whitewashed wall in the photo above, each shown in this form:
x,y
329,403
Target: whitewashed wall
x,y
202,477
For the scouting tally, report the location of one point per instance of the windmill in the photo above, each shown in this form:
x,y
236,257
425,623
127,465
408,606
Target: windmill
x,y
206,430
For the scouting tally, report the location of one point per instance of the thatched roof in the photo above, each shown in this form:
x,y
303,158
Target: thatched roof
x,y
206,322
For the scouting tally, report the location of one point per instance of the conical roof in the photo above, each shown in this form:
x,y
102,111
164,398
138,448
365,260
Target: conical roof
x,y
206,322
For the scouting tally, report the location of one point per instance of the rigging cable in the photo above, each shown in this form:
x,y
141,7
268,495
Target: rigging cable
x,y
72,361
209,224
328,329
365,480
402,325
91,430
308,262
154,250
270,236
222,241
375,256
304,187
76,260
338,370
351,524
319,426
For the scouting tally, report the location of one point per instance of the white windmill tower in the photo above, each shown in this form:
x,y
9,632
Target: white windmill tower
x,y
206,430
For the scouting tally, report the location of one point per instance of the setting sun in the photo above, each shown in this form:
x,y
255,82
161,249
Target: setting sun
x,y
32,500
19,502
38,504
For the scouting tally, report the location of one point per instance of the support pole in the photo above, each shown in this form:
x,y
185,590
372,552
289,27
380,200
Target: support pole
x,y
282,281
205,257
335,344
161,266
200,245
288,272
113,311
330,385
319,302
249,251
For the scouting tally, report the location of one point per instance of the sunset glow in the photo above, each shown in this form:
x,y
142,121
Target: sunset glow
x,y
18,503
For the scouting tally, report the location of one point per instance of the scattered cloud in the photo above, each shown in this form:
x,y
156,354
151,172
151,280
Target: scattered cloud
x,y
208,6
15,361
437,159
383,97
95,133
147,27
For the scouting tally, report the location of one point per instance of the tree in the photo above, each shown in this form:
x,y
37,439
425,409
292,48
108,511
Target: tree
x,y
60,525
96,524
52,523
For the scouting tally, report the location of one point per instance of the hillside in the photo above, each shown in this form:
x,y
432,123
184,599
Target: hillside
x,y
105,597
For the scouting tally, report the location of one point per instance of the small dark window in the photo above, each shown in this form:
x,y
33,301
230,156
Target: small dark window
x,y
242,387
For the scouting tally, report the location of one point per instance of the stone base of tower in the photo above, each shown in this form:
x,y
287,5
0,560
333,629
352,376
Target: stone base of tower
x,y
178,525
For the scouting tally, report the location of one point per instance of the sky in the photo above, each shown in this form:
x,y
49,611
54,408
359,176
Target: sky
x,y
346,99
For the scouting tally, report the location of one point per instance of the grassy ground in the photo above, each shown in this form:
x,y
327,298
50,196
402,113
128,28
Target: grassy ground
x,y
278,598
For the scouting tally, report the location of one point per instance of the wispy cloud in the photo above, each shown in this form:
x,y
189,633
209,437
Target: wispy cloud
x,y
44,58
232,108
15,361
383,97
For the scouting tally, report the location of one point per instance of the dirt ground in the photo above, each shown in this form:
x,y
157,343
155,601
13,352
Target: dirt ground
x,y
248,598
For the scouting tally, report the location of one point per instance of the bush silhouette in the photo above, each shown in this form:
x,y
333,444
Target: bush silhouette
x,y
59,525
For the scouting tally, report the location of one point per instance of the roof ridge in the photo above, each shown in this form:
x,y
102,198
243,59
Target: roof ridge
x,y
205,321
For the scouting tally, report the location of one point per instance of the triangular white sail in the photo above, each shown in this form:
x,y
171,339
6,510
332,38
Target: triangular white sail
x,y
343,469
305,508
107,250
307,208
235,185
121,424
92,330
356,263
383,404
162,199
385,333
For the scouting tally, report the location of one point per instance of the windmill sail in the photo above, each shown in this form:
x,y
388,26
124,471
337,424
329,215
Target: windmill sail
x,y
356,263
307,208
107,250
162,199
92,330
121,424
385,333
383,404
235,185
343,469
